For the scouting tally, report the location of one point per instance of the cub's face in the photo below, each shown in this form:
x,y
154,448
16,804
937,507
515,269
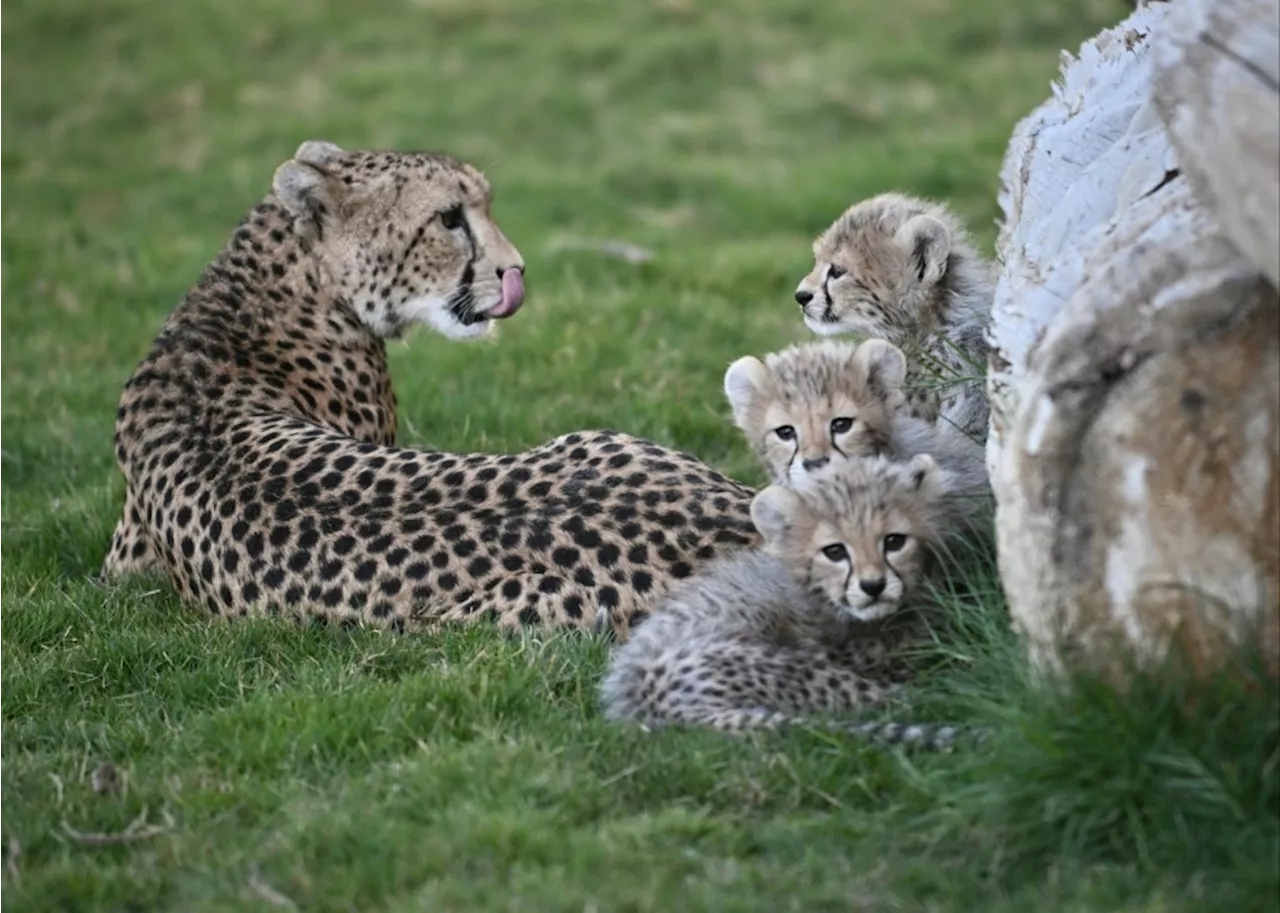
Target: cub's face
x,y
408,237
860,539
801,438
876,270
851,291
808,409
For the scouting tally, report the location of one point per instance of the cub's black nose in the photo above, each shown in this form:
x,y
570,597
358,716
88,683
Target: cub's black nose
x,y
872,588
803,297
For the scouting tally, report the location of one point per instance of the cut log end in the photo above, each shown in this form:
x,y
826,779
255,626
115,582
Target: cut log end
x,y
1135,365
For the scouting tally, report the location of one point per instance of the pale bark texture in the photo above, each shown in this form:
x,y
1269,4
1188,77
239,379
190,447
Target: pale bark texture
x,y
1135,374
1216,83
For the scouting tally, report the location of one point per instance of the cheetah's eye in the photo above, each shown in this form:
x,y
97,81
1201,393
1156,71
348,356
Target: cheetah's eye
x,y
452,219
894,542
835,272
836,552
785,433
841,425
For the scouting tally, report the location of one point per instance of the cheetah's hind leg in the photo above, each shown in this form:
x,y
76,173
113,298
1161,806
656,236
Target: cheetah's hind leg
x,y
131,550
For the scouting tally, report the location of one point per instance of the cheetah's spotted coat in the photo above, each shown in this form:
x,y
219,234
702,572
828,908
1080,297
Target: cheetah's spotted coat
x,y
257,438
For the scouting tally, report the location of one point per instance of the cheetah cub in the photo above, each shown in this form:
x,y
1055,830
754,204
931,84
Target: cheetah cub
x,y
813,407
902,269
802,626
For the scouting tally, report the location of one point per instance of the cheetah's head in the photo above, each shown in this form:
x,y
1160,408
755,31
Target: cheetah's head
x,y
810,407
860,538
408,237
879,269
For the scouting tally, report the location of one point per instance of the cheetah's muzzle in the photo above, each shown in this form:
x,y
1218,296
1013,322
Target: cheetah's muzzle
x,y
463,302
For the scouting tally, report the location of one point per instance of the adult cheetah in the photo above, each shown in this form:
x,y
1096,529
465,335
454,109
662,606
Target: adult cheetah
x,y
257,438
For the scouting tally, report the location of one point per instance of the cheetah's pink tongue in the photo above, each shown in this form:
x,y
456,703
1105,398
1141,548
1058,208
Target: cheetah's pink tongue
x,y
512,294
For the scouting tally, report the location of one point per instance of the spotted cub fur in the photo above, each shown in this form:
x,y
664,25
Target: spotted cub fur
x,y
813,407
902,269
257,438
802,626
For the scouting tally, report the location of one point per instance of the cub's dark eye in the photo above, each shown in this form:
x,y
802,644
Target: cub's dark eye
x,y
835,552
841,425
785,433
893,542
835,272
452,218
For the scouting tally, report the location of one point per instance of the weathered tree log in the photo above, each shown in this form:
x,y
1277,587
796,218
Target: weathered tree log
x,y
1216,84
1135,387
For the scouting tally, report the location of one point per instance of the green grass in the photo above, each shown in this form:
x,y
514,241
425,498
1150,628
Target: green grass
x,y
468,771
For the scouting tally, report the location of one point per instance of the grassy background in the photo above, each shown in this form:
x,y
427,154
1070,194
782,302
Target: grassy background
x,y
465,772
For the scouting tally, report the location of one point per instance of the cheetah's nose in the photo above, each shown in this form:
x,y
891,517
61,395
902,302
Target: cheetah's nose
x,y
872,588
803,297
815,463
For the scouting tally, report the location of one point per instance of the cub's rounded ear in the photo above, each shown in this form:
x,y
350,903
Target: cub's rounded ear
x,y
744,383
881,365
773,510
927,241
924,476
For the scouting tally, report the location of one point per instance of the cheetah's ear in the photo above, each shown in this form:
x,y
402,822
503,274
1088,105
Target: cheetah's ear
x,y
923,476
772,511
745,380
305,187
928,244
319,152
306,192
881,365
